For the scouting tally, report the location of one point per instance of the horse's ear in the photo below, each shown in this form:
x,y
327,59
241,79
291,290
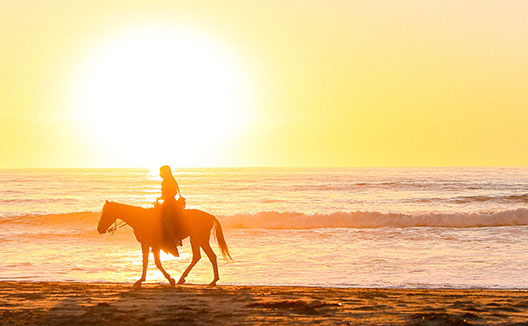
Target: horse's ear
x,y
106,201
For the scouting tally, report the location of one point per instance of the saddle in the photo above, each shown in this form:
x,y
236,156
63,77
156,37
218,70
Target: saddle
x,y
180,205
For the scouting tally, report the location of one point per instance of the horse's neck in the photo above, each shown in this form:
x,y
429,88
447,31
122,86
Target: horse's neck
x,y
129,214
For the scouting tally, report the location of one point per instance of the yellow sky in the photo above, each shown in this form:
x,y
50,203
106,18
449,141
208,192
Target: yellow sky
x,y
324,83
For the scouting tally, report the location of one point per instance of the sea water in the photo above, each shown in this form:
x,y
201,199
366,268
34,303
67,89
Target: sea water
x,y
353,227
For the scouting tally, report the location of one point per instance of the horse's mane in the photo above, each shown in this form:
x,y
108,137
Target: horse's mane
x,y
131,207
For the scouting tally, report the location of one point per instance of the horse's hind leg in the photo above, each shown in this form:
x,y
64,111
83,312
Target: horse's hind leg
x,y
196,257
212,257
160,267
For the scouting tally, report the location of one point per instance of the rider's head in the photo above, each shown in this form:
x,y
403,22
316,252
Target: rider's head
x,y
165,171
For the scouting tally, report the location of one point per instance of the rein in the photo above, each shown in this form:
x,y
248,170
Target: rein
x,y
114,228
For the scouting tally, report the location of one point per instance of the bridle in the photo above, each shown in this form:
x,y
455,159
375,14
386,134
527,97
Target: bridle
x,y
112,230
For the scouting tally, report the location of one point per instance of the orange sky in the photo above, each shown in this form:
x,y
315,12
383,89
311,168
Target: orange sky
x,y
252,83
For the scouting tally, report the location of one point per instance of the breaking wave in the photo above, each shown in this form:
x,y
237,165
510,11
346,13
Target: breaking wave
x,y
360,219
521,198
295,220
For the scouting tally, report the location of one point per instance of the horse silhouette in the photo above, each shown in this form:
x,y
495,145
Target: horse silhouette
x,y
147,226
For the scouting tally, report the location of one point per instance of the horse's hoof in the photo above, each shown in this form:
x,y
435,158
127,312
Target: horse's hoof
x,y
172,282
182,280
213,283
138,284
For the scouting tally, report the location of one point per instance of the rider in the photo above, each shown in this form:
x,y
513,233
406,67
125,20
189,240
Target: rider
x,y
170,208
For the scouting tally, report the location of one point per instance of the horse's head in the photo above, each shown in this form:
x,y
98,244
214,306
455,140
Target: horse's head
x,y
107,218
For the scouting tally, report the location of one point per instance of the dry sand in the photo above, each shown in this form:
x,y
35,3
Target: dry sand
x,y
42,303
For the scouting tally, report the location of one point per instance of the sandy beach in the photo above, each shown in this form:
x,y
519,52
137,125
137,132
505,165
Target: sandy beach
x,y
65,303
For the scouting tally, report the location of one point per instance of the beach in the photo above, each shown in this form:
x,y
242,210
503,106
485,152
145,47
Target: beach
x,y
75,303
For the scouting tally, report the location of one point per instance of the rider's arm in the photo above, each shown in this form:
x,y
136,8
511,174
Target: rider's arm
x,y
178,189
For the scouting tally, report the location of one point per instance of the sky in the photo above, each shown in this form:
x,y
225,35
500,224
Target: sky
x,y
263,83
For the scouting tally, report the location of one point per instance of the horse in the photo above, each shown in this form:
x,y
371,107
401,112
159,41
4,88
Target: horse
x,y
146,223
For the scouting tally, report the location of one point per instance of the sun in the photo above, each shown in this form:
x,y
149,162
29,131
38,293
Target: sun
x,y
162,94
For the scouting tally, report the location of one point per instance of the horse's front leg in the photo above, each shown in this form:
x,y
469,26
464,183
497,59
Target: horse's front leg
x,y
145,250
160,267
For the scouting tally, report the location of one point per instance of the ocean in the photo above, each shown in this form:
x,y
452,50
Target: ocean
x,y
335,227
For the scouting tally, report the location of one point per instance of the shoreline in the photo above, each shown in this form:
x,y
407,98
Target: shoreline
x,y
315,287
80,303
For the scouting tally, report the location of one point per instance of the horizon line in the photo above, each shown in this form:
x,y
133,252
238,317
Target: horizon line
x,y
270,167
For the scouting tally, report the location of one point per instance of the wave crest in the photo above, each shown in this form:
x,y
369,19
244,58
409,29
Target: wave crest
x,y
296,220
361,219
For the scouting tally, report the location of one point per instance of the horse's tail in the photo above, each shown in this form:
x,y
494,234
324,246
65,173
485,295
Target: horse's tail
x,y
219,234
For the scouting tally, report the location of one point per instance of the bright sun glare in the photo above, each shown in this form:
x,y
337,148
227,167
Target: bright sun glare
x,y
162,94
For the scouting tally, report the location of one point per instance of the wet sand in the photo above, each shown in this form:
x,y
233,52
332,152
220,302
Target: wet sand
x,y
43,303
